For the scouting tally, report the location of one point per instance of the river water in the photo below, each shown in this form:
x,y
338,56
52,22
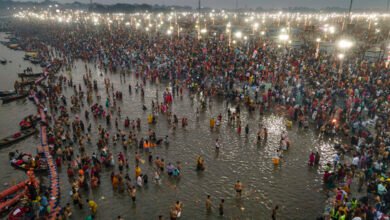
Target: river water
x,y
292,185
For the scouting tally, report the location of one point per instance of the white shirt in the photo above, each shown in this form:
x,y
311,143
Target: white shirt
x,y
139,181
355,161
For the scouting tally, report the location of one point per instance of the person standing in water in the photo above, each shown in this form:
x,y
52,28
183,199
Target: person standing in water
x,y
93,206
317,159
217,144
239,127
311,159
178,208
238,188
208,204
221,207
273,216
133,192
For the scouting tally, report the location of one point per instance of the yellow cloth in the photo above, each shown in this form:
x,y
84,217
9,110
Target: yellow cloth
x,y
137,171
93,206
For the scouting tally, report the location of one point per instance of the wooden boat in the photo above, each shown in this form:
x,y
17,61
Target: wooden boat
x,y
19,213
8,197
13,46
35,60
27,75
29,121
7,93
44,64
17,164
11,98
26,83
41,169
17,137
12,190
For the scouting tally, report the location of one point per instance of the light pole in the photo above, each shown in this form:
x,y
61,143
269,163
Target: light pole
x,y
254,28
229,32
284,38
350,8
147,31
169,32
341,58
318,40
198,20
178,31
203,31
238,35
388,4
343,45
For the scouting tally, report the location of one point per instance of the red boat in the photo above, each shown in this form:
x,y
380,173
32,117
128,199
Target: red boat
x,y
4,205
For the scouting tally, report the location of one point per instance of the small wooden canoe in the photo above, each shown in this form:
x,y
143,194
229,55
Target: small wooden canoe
x,y
27,75
11,98
26,83
23,167
35,60
29,121
7,93
17,137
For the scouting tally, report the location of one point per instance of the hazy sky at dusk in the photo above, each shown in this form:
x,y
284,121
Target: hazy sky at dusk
x,y
252,3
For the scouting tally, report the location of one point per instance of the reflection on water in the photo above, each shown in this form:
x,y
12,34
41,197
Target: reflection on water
x,y
295,187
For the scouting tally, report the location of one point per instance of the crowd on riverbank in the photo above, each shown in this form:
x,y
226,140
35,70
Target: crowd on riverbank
x,y
306,88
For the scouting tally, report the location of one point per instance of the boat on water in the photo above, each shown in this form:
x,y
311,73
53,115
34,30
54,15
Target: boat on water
x,y
27,82
18,136
35,60
29,121
5,43
22,212
3,61
11,196
44,64
26,162
7,93
11,98
30,54
27,75
13,46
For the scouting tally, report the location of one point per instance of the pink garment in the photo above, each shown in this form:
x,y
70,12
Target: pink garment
x,y
311,159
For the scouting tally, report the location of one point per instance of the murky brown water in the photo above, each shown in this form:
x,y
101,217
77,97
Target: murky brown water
x,y
296,188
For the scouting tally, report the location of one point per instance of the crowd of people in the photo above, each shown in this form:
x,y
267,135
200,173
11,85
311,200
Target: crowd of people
x,y
305,87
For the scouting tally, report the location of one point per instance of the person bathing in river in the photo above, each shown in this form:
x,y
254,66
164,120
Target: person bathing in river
x,y
312,159
238,188
317,159
217,144
200,164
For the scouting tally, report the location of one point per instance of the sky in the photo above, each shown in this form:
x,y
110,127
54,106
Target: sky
x,y
252,3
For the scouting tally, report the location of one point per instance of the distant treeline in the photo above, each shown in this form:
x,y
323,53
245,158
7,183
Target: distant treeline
x,y
128,8
114,8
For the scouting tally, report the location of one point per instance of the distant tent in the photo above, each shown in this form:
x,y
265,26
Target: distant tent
x,y
374,53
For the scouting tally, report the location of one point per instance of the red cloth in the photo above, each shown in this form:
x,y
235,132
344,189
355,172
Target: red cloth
x,y
16,135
